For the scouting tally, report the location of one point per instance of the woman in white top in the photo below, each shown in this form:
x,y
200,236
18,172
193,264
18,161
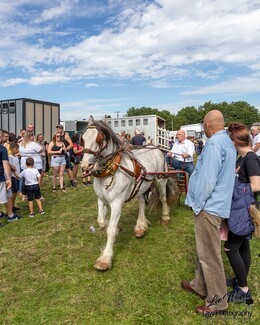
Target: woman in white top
x,y
30,149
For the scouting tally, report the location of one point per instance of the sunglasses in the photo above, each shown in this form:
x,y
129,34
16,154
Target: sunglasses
x,y
58,136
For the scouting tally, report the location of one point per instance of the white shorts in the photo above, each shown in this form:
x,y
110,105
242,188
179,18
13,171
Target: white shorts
x,y
4,193
57,161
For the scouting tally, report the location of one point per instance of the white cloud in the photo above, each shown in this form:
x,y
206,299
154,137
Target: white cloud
x,y
91,85
63,8
240,85
158,42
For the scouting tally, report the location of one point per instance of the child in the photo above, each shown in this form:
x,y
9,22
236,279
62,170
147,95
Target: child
x,y
15,171
32,188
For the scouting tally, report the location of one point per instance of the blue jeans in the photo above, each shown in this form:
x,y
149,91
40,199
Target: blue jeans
x,y
180,165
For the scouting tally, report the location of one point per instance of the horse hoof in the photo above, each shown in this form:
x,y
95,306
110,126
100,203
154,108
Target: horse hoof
x,y
139,233
102,226
165,222
102,266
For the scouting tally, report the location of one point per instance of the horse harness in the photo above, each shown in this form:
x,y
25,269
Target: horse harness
x,y
112,163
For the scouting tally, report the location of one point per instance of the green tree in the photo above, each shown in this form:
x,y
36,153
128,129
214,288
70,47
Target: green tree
x,y
239,111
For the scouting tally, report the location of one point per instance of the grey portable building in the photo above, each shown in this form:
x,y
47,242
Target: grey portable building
x,y
16,114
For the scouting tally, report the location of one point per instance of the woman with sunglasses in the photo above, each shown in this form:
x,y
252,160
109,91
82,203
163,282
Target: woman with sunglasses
x,y
57,150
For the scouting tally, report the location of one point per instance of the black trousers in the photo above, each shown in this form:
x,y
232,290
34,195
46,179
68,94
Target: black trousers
x,y
239,256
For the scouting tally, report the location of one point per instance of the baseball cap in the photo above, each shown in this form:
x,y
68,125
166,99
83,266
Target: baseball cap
x,y
59,126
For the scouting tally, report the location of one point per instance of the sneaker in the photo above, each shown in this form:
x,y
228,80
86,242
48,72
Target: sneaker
x,y
3,215
239,296
32,214
54,189
41,212
15,209
89,183
84,183
42,198
63,189
13,218
231,282
73,183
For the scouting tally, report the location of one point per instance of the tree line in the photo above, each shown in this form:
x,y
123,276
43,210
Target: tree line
x,y
239,111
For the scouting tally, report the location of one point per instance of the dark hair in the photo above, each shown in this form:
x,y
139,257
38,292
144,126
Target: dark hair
x,y
75,137
239,134
29,162
13,145
4,131
12,137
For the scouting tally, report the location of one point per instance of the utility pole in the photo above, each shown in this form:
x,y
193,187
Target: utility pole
x,y
117,114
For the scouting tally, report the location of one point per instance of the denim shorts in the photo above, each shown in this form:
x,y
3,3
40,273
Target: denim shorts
x,y
57,161
4,193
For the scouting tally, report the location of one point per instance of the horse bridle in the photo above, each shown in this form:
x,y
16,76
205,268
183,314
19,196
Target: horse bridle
x,y
139,170
100,141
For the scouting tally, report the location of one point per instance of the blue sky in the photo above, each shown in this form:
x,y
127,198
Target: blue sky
x,y
104,56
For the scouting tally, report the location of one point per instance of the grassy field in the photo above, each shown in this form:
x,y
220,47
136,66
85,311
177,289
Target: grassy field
x,y
47,274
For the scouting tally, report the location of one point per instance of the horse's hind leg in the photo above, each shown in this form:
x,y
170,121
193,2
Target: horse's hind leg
x,y
102,211
141,225
104,262
161,186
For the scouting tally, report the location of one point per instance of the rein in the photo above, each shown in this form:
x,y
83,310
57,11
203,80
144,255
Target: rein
x,y
112,163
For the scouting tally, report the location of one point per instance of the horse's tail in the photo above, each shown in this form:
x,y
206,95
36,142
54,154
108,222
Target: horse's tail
x,y
255,215
172,195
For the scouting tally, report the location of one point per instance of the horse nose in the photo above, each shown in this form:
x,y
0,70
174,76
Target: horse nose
x,y
86,166
87,163
91,160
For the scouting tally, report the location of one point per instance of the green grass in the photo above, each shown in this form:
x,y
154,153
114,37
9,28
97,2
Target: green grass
x,y
47,274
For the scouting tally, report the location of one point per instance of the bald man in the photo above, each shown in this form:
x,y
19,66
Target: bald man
x,y
181,153
256,139
209,195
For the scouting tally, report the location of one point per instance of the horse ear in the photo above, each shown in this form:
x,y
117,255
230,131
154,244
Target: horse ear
x,y
90,120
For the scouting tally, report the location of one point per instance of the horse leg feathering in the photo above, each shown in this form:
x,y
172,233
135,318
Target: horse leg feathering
x,y
104,262
102,212
142,224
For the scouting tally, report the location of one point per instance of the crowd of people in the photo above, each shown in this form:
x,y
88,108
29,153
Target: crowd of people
x,y
25,159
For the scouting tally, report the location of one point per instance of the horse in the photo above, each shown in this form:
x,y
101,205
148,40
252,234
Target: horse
x,y
120,174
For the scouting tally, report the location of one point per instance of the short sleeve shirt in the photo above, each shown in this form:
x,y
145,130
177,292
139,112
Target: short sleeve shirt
x,y
249,166
256,140
31,150
3,156
31,176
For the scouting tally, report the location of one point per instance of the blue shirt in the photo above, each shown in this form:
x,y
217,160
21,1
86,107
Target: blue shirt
x,y
212,181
